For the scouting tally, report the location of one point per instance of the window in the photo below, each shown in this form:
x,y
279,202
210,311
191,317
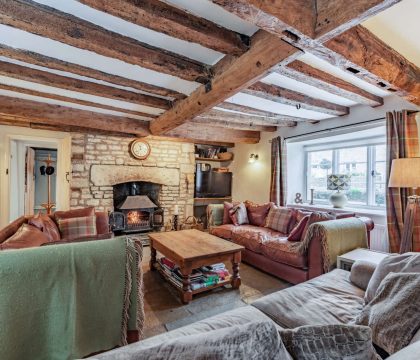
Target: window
x,y
365,164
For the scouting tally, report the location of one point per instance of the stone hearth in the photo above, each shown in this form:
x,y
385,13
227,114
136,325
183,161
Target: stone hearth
x,y
99,162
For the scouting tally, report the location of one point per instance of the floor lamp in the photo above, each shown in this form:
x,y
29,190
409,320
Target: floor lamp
x,y
405,173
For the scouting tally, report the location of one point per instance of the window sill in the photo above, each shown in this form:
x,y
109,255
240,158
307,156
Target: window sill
x,y
358,211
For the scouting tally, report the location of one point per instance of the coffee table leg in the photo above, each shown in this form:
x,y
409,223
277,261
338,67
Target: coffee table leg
x,y
236,278
186,295
152,257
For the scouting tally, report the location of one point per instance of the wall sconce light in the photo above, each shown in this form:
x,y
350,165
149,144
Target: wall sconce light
x,y
253,158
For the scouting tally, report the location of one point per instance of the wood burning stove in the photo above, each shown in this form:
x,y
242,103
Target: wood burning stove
x,y
136,208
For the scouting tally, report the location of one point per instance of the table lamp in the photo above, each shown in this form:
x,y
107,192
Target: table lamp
x,y
405,173
338,182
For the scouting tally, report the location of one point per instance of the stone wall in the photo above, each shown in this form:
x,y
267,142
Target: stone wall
x,y
99,161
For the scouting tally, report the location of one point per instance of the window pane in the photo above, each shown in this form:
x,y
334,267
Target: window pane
x,y
319,166
380,175
353,162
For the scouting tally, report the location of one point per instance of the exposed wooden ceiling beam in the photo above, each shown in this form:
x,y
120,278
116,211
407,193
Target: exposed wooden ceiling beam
x,y
33,17
266,50
246,109
74,101
339,27
359,51
232,125
248,119
276,17
169,20
81,86
37,112
56,64
292,98
307,74
337,16
210,133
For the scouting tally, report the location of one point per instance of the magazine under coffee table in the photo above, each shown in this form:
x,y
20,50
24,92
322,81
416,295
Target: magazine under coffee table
x,y
192,249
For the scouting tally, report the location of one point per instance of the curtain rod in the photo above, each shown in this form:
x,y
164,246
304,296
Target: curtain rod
x,y
335,128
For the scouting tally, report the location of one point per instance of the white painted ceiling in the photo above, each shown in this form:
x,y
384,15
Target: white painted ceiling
x,y
397,26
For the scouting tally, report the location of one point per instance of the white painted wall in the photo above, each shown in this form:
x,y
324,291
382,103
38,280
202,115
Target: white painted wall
x,y
252,181
62,140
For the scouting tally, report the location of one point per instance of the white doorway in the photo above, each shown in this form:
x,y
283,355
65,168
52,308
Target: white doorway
x,y
20,192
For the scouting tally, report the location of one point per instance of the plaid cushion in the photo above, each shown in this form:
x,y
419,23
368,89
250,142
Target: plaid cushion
x,y
77,228
279,219
238,215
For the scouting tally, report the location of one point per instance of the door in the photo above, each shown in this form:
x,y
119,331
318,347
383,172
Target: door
x,y
29,181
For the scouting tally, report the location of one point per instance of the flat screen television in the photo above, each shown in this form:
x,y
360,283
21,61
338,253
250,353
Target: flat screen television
x,y
212,184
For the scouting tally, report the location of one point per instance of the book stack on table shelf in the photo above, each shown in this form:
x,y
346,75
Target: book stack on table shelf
x,y
203,277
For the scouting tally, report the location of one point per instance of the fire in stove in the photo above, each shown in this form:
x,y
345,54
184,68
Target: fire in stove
x,y
137,218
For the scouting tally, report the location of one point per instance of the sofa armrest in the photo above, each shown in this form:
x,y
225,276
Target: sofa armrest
x,y
361,272
335,237
102,223
215,215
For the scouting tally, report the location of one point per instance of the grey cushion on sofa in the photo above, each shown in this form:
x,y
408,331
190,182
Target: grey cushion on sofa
x,y
257,340
325,300
239,316
332,342
408,262
361,273
394,312
410,352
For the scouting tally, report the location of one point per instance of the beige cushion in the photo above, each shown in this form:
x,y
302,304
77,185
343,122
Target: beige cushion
x,y
394,312
361,273
256,340
327,299
332,342
409,262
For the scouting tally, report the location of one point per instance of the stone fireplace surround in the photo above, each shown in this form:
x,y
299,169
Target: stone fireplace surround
x,y
99,162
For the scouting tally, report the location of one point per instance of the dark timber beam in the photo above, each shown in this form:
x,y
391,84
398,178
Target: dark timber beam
x,y
37,112
169,20
337,16
277,17
68,29
363,54
307,74
266,50
292,98
257,112
233,125
74,101
56,64
247,119
211,133
81,86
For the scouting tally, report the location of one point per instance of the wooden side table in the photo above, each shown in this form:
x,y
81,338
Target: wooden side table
x,y
346,260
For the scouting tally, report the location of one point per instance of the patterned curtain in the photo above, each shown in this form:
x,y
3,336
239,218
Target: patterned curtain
x,y
278,193
402,142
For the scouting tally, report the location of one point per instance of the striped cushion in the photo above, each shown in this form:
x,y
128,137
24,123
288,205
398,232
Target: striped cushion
x,y
77,228
279,219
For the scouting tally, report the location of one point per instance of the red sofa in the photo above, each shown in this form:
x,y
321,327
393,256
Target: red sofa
x,y
102,227
261,251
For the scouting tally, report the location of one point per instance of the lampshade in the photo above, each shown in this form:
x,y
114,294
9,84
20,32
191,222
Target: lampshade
x,y
405,173
338,182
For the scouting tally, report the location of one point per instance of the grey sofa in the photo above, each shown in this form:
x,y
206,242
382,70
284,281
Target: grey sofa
x,y
328,299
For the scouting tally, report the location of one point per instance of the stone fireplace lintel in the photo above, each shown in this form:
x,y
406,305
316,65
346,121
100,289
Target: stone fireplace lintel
x,y
109,175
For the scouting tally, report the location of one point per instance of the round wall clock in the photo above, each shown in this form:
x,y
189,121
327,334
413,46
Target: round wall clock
x,y
140,149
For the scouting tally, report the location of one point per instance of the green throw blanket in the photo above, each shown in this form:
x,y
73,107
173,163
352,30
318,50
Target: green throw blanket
x,y
67,301
337,237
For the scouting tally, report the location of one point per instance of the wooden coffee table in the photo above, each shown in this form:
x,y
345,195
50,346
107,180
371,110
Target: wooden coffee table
x,y
191,249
